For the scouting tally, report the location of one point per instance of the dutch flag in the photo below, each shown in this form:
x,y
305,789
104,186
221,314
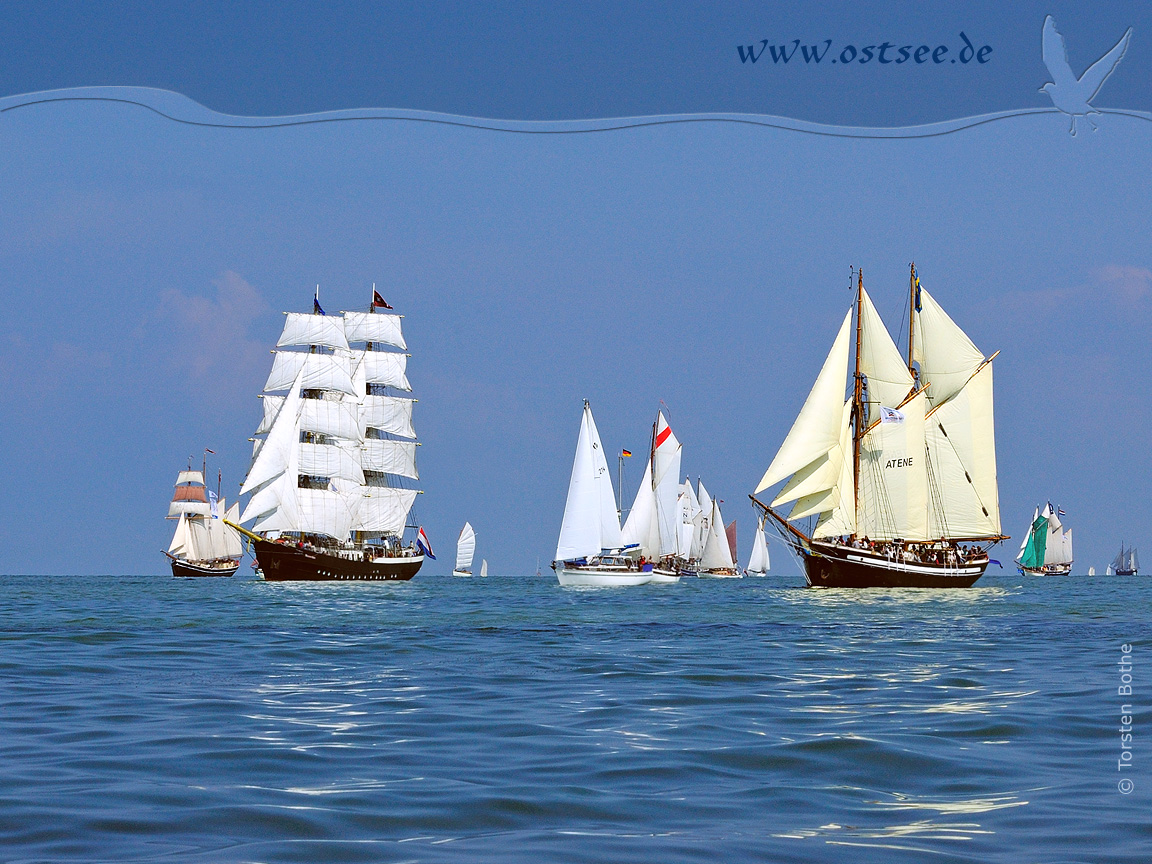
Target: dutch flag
x,y
423,545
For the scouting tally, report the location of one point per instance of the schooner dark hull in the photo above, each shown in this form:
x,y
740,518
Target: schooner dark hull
x,y
282,562
827,566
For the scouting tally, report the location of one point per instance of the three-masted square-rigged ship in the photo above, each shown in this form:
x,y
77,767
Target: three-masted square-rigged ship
x,y
897,470
335,451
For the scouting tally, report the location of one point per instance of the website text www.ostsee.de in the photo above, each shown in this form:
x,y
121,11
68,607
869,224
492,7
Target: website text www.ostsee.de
x,y
769,52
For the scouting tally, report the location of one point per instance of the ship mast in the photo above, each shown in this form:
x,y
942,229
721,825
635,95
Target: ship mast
x,y
911,316
857,398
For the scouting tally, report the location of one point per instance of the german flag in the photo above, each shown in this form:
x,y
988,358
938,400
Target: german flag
x,y
625,452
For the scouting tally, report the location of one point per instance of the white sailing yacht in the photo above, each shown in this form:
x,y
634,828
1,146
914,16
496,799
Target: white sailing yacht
x,y
758,562
202,545
589,551
901,474
1047,547
335,452
653,524
465,551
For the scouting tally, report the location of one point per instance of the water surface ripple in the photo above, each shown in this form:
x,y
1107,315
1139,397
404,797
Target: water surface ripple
x,y
507,719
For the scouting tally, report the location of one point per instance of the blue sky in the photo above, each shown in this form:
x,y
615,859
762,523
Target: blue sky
x,y
145,265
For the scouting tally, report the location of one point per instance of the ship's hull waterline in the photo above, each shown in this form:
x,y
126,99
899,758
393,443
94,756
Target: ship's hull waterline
x,y
591,577
1047,570
281,562
186,568
841,567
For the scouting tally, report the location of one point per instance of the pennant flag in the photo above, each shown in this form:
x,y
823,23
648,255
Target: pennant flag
x,y
316,310
625,452
891,415
212,504
377,300
423,545
206,450
997,563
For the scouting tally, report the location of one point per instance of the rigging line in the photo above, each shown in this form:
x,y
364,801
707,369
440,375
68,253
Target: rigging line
x,y
967,472
936,496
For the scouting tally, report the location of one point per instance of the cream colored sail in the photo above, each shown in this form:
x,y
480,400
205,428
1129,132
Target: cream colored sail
x,y
889,382
960,437
946,356
893,484
840,518
817,428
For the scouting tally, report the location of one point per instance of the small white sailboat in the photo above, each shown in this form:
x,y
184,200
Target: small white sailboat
x,y
465,551
716,562
1091,571
483,567
589,551
759,563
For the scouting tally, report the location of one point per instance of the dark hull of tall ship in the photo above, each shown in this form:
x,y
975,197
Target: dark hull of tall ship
x,y
187,568
1127,573
282,562
834,566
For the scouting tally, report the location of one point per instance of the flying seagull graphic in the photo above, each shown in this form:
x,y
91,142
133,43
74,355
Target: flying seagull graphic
x,y
1070,94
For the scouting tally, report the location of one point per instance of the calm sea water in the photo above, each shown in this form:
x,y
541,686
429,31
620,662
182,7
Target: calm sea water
x,y
511,720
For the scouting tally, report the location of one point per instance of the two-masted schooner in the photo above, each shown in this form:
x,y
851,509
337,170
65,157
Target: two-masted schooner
x,y
1127,562
335,452
1047,547
895,473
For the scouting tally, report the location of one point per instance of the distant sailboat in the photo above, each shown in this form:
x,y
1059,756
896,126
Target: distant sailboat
x,y
484,567
1091,571
202,544
589,551
1126,563
1047,548
758,563
465,551
717,560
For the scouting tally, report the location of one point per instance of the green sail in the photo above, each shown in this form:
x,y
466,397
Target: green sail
x,y
1033,556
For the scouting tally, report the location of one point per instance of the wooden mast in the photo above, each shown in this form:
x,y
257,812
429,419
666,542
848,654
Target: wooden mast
x,y
857,400
911,315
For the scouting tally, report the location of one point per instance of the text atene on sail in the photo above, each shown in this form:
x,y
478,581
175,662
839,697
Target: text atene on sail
x,y
895,474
